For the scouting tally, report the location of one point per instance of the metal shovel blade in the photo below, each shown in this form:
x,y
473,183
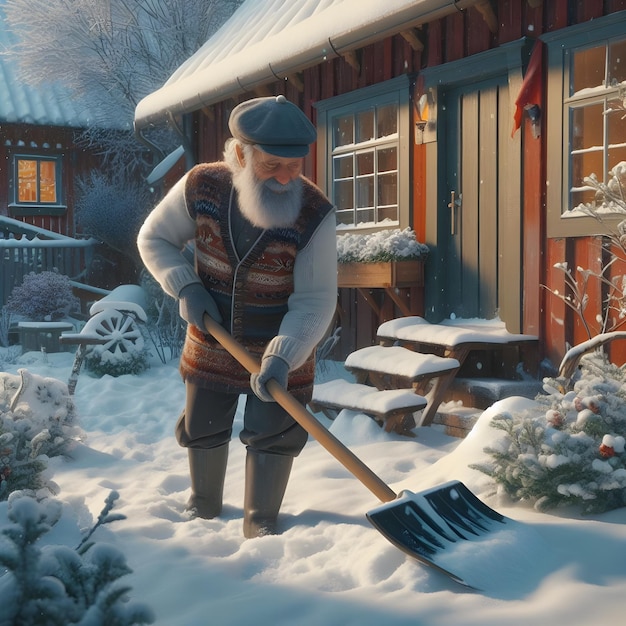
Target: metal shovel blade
x,y
436,527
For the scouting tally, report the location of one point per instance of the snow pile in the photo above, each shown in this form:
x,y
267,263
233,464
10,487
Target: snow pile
x,y
383,245
329,566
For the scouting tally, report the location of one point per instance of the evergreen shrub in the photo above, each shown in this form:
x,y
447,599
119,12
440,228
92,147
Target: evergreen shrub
x,y
44,297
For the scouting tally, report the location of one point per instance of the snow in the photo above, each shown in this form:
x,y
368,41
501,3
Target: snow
x,y
450,332
329,566
399,361
357,396
51,105
267,39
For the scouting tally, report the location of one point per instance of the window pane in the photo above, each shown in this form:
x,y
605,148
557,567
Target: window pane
x,y
617,63
387,159
388,189
588,68
616,128
587,128
587,141
345,217
365,216
343,194
365,192
26,180
388,213
387,120
364,163
365,125
344,130
344,167
47,181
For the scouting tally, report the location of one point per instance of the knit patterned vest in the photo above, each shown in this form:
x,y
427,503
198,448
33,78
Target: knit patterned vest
x,y
251,293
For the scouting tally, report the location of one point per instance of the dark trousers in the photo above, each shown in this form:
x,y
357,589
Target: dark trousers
x,y
207,422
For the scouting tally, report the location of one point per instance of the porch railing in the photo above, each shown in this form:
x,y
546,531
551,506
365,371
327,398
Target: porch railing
x,y
39,250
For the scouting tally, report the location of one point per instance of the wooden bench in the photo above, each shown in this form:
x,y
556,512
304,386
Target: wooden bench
x,y
36,336
392,408
452,339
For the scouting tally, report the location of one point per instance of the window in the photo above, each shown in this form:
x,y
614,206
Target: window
x,y
36,183
588,82
364,152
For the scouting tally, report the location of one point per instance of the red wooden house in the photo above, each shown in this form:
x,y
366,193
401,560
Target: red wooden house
x,y
417,105
41,159
39,156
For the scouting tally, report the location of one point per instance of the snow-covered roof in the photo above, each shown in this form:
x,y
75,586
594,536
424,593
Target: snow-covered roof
x,y
51,105
265,40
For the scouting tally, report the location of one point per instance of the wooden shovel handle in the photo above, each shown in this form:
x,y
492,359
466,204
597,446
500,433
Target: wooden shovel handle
x,y
350,461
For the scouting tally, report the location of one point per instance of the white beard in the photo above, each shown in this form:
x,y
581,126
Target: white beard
x,y
267,204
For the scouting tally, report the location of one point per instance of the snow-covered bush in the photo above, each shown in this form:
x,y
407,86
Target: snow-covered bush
x,y
37,421
609,200
383,245
56,585
570,449
112,209
118,357
610,197
165,327
46,296
102,363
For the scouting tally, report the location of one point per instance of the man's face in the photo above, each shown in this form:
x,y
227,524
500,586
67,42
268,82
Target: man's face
x,y
282,170
269,188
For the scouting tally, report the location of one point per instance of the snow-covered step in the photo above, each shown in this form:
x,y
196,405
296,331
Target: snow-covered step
x,y
450,332
393,408
397,362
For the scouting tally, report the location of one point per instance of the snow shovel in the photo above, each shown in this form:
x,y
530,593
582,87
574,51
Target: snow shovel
x,y
428,526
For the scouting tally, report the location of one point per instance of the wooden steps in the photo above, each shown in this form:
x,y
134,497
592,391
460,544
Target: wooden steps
x,y
392,408
422,359
395,367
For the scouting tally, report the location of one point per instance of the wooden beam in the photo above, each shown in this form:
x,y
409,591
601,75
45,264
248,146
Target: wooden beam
x,y
296,81
486,10
263,91
352,59
415,38
209,113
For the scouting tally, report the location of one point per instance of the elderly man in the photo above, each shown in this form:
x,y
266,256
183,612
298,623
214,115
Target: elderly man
x,y
265,268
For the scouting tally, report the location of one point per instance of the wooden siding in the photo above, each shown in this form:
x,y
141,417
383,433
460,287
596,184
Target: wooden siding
x,y
448,39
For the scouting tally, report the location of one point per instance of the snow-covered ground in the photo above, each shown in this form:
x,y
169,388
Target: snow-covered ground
x,y
329,566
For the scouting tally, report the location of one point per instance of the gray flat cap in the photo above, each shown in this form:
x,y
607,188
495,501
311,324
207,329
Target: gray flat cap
x,y
274,125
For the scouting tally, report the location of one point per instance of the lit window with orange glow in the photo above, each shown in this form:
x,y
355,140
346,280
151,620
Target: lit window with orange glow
x,y
37,181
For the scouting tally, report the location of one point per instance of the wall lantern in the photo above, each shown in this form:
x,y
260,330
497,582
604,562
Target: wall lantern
x,y
425,117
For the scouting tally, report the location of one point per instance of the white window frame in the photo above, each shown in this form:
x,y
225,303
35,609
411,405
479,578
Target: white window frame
x,y
394,91
561,221
36,207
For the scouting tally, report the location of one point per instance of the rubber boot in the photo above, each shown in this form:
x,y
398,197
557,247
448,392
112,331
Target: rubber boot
x,y
266,481
207,468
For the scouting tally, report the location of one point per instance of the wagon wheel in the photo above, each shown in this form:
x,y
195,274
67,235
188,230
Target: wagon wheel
x,y
119,330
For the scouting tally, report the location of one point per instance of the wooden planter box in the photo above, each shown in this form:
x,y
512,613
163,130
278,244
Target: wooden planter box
x,y
381,275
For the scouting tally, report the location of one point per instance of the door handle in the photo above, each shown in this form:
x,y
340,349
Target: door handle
x,y
452,205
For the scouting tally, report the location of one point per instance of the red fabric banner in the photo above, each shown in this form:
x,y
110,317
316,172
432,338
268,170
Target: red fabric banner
x,y
531,91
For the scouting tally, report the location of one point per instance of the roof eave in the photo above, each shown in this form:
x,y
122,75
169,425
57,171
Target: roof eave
x,y
151,111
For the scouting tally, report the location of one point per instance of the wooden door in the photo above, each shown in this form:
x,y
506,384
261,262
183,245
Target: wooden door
x,y
477,231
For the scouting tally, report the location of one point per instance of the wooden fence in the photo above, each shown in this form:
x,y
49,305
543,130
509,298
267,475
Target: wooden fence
x,y
25,249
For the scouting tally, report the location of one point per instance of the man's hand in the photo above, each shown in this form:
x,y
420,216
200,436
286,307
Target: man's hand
x,y
193,302
271,367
